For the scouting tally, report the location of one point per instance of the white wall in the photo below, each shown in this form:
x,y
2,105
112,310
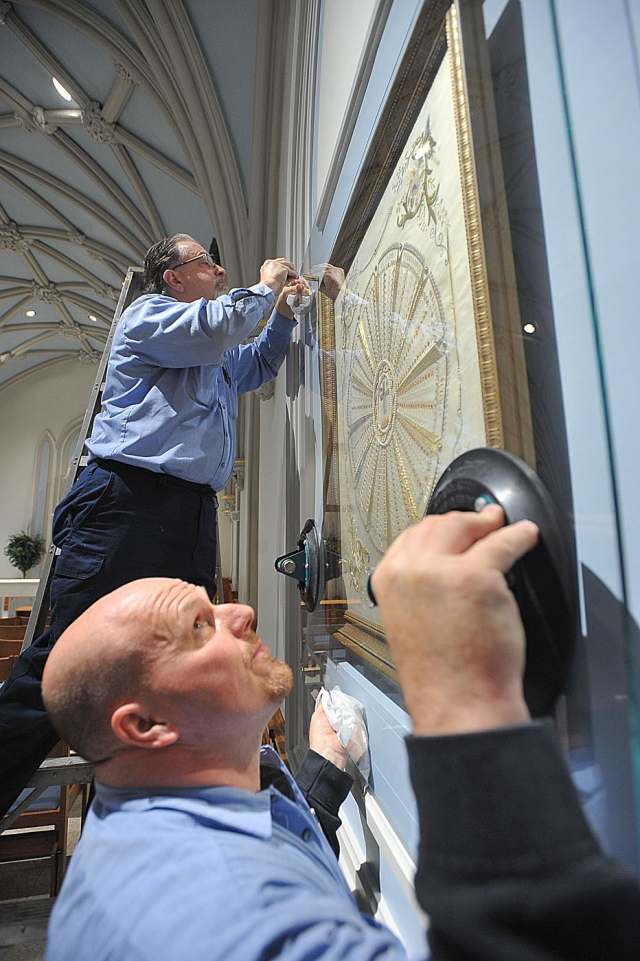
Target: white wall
x,y
52,402
274,483
344,31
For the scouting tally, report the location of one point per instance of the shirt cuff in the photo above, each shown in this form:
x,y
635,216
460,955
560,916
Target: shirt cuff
x,y
492,800
322,783
280,324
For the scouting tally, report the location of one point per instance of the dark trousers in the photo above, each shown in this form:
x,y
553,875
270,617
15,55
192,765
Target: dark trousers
x,y
117,524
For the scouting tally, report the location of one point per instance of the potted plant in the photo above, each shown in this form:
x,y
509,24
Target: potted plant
x,y
25,551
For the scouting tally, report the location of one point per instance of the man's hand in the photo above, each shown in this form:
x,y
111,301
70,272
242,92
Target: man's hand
x,y
324,740
452,622
299,288
275,273
332,281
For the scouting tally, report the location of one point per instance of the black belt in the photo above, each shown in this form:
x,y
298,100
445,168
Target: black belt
x,y
121,469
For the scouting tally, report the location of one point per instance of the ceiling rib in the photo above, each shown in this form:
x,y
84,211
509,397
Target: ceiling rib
x,y
109,212
48,180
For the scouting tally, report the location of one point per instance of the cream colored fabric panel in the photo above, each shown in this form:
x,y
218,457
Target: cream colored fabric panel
x,y
409,387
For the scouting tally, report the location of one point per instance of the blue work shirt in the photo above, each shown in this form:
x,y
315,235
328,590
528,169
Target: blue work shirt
x,y
170,398
218,873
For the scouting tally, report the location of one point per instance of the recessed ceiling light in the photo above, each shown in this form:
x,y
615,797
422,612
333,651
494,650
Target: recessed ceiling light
x,y
30,313
63,93
92,316
529,329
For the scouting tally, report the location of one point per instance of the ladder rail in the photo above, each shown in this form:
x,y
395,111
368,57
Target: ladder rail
x,y
131,289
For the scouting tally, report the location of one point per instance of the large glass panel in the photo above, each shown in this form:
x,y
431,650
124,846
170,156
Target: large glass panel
x,y
489,254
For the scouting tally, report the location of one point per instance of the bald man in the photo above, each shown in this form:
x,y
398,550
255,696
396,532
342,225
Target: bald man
x,y
200,844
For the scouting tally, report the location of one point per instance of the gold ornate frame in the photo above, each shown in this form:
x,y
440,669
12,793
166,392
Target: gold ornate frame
x,y
457,30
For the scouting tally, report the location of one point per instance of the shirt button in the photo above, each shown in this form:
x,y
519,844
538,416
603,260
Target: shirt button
x,y
307,834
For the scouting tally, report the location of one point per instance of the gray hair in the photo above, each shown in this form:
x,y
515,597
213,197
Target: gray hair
x,y
164,255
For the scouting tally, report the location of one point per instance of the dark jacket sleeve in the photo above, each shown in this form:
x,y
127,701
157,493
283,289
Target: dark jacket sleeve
x,y
325,787
508,867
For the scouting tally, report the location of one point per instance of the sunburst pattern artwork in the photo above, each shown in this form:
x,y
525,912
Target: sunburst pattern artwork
x,y
395,393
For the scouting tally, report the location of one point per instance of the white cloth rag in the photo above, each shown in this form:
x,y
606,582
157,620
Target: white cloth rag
x,y
346,716
299,305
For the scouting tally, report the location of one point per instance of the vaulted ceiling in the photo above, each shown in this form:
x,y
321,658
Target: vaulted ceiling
x,y
165,130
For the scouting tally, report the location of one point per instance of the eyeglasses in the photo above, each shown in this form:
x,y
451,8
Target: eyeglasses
x,y
207,258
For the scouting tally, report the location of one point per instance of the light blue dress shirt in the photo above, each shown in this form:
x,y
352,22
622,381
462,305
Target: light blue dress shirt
x,y
175,370
221,874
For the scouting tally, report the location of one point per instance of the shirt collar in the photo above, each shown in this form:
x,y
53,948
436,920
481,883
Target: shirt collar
x,y
230,808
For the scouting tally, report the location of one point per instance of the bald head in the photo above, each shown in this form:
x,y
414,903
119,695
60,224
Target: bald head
x,y
155,665
103,659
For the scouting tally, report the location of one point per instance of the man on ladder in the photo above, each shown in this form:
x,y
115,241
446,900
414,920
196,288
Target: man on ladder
x,y
160,448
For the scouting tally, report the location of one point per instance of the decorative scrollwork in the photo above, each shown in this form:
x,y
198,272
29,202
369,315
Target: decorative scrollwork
x,y
95,124
24,122
89,356
41,123
71,331
123,73
417,172
104,290
238,474
12,239
359,556
47,293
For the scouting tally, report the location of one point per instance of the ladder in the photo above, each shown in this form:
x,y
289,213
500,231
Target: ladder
x,y
131,288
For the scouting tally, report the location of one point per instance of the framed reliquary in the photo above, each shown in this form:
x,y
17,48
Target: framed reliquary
x,y
423,354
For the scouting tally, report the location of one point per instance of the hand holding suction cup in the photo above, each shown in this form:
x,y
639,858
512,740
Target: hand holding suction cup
x,y
544,581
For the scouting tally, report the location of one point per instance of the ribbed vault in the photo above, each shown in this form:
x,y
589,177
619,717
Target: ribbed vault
x,y
142,149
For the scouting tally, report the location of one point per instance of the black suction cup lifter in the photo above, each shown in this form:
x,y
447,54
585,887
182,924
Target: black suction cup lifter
x,y
544,580
311,564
